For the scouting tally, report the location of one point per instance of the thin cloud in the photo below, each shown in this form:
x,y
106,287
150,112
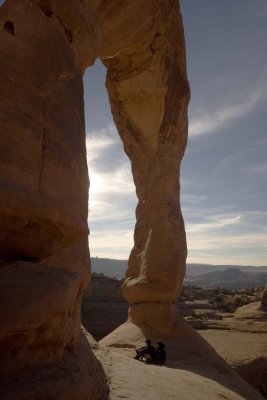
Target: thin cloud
x,y
230,249
115,180
256,241
191,199
216,119
118,181
259,169
98,142
111,208
229,238
214,223
112,243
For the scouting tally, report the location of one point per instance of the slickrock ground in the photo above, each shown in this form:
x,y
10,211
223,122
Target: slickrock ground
x,y
242,341
239,337
245,352
193,369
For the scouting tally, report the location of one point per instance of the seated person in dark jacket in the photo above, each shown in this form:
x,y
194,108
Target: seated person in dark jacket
x,y
160,355
148,351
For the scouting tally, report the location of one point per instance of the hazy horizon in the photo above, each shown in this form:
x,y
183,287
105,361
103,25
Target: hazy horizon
x,y
215,265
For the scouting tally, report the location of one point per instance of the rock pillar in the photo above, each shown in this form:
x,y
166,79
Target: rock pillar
x,y
149,94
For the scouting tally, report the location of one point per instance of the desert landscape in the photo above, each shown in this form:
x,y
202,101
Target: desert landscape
x,y
233,322
215,337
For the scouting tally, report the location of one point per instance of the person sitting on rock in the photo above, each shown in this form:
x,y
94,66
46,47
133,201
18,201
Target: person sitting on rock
x,y
146,353
160,354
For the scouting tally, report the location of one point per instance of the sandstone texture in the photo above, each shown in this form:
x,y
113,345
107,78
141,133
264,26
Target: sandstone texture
x,y
76,375
240,338
43,207
246,352
38,311
241,341
44,180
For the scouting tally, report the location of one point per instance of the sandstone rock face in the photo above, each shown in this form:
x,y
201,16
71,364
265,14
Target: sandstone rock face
x,y
38,311
45,46
44,180
44,190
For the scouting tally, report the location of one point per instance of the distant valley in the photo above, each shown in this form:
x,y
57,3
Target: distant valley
x,y
203,275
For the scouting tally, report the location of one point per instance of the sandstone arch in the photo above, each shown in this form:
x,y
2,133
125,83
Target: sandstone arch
x,y
45,46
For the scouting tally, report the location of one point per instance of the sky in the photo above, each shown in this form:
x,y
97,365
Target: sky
x,y
224,170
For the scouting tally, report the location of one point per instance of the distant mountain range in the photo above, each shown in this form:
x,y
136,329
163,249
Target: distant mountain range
x,y
230,278
109,267
203,275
